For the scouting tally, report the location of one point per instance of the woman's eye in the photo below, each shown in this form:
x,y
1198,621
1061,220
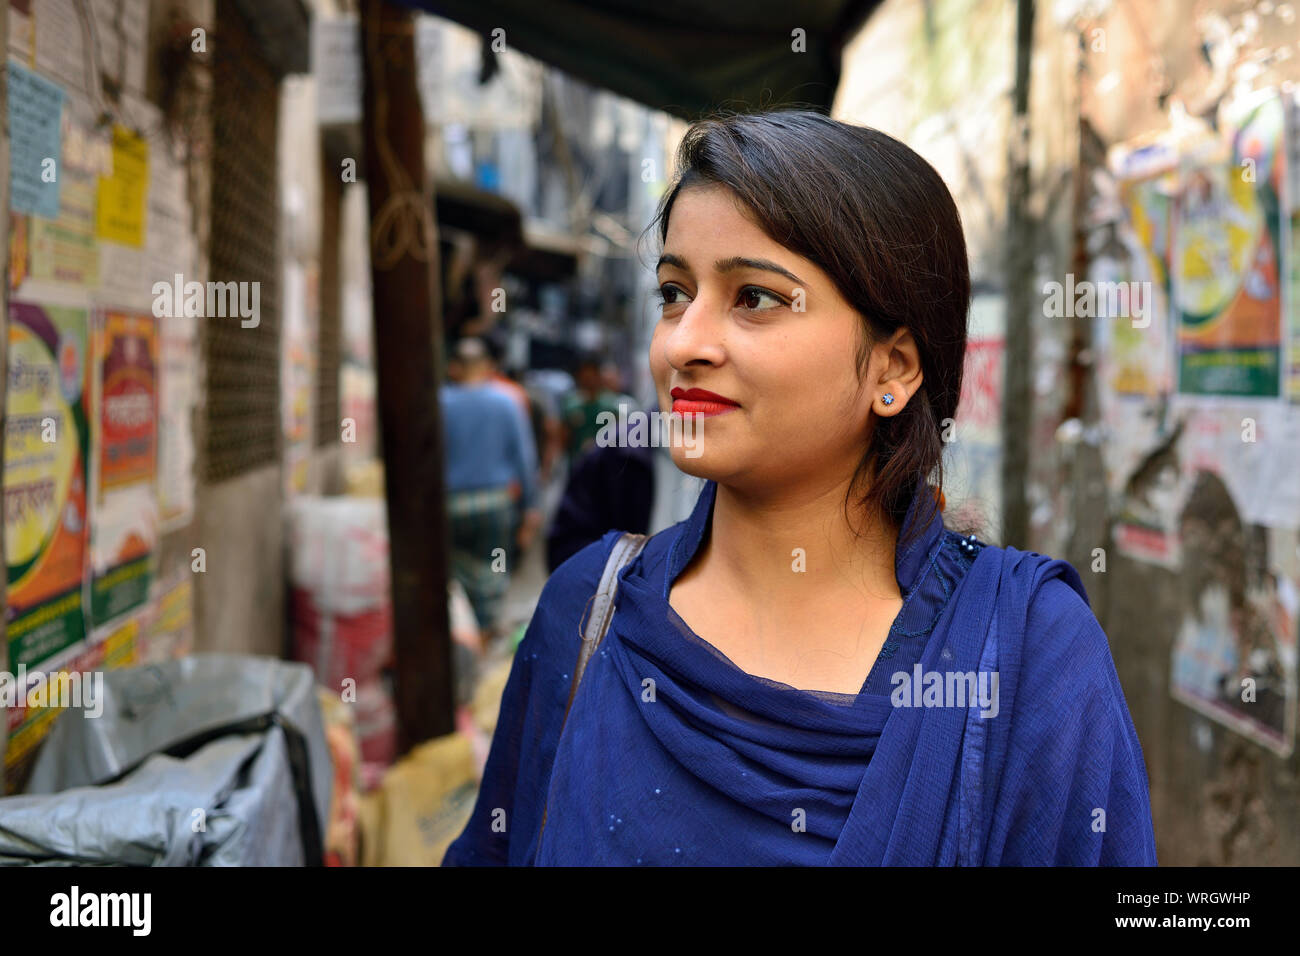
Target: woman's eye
x,y
757,300
671,295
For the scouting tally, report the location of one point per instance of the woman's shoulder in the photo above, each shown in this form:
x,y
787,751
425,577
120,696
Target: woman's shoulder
x,y
1046,601
1036,582
574,582
1057,603
1041,601
580,574
576,579
1065,744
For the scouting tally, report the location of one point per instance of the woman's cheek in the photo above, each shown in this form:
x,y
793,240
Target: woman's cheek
x,y
659,367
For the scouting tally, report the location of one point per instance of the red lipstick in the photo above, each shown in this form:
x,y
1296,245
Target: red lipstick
x,y
698,401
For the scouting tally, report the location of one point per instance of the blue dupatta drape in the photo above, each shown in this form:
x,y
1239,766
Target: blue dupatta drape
x,y
674,756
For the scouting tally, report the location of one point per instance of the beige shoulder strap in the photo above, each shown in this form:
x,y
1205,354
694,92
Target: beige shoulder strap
x,y
623,553
625,550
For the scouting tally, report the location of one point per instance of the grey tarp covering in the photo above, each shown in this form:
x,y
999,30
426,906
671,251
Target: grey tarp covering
x,y
238,738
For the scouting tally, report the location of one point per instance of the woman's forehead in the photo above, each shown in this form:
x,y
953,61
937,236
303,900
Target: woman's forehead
x,y
709,226
703,205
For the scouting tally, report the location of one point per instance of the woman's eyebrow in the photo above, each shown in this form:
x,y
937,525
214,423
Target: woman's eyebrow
x,y
729,265
668,259
740,262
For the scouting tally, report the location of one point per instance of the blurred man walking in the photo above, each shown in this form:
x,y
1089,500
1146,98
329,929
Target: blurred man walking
x,y
489,449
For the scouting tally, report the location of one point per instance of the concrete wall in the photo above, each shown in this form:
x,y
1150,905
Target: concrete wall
x,y
239,599
1218,797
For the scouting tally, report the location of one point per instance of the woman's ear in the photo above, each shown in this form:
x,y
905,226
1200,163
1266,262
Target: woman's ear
x,y
896,372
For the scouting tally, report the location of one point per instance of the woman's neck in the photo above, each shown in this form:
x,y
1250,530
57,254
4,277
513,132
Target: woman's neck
x,y
796,545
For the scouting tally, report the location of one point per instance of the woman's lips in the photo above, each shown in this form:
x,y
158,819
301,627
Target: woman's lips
x,y
698,401
682,406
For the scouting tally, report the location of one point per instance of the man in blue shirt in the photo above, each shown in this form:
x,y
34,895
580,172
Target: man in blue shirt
x,y
490,454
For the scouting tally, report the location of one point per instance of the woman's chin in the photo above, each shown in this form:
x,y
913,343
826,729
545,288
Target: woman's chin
x,y
694,462
712,465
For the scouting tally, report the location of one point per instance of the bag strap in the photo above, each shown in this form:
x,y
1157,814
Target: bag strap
x,y
624,552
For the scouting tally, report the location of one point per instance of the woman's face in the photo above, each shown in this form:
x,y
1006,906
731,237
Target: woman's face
x,y
750,321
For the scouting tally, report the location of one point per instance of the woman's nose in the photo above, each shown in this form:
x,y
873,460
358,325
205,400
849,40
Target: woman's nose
x,y
697,336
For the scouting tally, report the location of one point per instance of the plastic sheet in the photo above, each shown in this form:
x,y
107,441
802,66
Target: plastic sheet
x,y
209,760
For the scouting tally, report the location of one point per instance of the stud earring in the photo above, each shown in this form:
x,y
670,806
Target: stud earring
x,y
887,398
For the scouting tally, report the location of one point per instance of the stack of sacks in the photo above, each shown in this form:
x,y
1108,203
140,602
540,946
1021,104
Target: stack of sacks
x,y
342,611
342,833
422,804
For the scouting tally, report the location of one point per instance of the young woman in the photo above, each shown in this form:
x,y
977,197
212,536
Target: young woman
x,y
811,669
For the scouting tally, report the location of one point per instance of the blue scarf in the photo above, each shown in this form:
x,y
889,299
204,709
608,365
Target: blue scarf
x,y
674,756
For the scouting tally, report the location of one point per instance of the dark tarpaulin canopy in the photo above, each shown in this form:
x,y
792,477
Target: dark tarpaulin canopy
x,y
686,57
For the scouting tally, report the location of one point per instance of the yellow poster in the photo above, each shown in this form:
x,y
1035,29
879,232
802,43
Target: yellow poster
x,y
119,215
32,715
1228,261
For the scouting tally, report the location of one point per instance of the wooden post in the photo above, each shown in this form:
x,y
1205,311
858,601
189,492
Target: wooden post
x,y
408,344
1017,395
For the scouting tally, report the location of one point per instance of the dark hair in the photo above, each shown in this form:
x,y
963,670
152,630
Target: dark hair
x,y
877,219
495,341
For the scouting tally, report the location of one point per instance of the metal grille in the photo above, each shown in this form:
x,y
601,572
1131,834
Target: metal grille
x,y
243,364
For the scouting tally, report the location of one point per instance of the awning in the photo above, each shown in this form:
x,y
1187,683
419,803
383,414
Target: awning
x,y
546,254
686,57
538,252
493,218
